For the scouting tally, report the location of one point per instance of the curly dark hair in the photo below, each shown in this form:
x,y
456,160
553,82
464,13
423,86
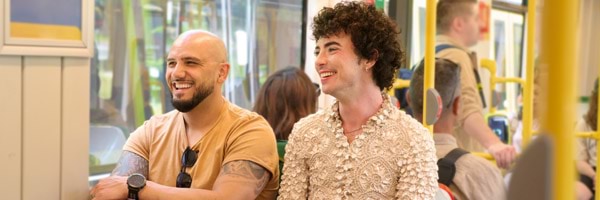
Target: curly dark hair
x,y
374,35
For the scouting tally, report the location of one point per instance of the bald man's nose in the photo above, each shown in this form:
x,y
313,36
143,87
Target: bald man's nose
x,y
178,71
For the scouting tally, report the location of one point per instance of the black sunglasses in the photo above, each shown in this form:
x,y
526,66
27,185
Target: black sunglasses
x,y
188,159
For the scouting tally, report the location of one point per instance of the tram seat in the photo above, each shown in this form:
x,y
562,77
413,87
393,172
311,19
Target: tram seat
x,y
532,174
106,143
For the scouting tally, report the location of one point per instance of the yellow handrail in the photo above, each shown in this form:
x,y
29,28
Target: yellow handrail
x,y
510,80
557,51
429,79
484,155
528,86
401,83
593,135
398,84
490,65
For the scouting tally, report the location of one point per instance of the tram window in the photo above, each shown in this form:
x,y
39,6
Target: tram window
x,y
133,37
508,50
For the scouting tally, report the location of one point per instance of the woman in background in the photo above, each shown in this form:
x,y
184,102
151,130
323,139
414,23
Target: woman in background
x,y
586,147
287,96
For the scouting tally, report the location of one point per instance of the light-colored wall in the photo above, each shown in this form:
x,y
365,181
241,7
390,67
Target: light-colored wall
x,y
44,112
589,46
44,134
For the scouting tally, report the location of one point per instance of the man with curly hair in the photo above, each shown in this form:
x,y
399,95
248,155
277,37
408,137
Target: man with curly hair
x,y
361,147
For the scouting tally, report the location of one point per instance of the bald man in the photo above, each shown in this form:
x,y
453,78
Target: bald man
x,y
207,148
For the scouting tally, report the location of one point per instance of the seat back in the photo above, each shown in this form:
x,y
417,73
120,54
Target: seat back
x,y
532,175
106,143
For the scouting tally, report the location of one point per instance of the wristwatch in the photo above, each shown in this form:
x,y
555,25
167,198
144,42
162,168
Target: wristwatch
x,y
135,183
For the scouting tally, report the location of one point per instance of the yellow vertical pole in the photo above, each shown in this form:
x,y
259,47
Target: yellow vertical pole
x,y
528,87
558,53
429,79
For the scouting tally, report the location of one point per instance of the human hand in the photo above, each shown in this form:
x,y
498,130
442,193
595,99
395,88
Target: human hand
x,y
503,153
110,188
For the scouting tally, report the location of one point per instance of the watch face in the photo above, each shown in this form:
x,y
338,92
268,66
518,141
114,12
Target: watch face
x,y
136,181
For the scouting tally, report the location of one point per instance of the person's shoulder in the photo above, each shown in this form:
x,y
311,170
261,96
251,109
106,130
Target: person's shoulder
x,y
158,125
455,54
582,125
238,115
319,116
410,125
309,126
164,119
477,176
478,168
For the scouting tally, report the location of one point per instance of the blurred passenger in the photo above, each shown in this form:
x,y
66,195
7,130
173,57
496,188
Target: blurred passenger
x,y
208,148
475,177
587,146
458,29
287,96
362,147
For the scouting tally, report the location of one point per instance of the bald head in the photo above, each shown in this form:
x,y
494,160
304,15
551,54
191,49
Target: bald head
x,y
197,59
212,45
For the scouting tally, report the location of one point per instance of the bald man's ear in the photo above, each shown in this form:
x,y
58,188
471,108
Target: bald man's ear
x,y
223,72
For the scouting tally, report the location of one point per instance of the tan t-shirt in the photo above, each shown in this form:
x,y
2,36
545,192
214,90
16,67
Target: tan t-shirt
x,y
238,135
470,100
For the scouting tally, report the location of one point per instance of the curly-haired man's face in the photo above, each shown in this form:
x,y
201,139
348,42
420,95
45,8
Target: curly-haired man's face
x,y
342,72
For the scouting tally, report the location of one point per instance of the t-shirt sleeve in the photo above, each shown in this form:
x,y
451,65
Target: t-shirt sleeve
x,y
253,139
470,101
138,141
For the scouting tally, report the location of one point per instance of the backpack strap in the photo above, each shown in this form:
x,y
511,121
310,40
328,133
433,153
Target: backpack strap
x,y
442,47
438,49
446,166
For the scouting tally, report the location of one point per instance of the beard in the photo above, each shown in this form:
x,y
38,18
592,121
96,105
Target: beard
x,y
199,95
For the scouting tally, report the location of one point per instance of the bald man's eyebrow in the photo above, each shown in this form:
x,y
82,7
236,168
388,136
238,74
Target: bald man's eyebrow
x,y
189,58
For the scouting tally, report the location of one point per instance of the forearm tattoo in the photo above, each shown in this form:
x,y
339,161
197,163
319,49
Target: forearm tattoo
x,y
130,163
247,172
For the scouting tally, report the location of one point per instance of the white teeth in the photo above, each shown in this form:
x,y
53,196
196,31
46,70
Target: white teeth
x,y
182,85
327,74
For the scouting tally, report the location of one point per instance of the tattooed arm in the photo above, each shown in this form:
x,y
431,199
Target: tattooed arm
x,y
115,186
240,179
248,179
130,163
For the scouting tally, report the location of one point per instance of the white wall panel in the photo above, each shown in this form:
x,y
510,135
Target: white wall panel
x,y
41,127
10,123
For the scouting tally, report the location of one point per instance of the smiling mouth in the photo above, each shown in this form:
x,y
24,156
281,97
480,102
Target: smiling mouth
x,y
179,86
327,74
